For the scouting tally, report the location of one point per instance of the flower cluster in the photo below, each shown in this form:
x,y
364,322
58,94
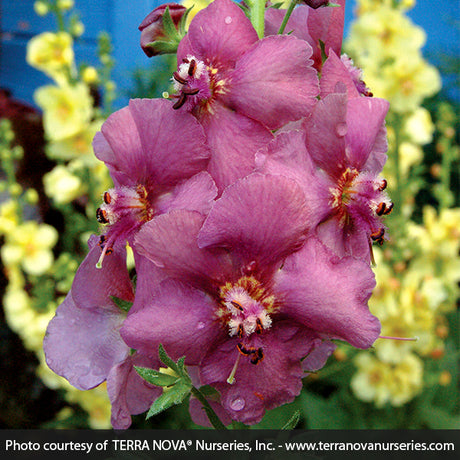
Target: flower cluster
x,y
417,282
251,202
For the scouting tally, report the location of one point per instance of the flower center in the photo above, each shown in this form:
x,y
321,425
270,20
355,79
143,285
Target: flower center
x,y
195,84
361,197
124,209
246,309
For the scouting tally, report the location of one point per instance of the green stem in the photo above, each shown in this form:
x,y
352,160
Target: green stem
x,y
59,18
289,11
212,416
258,16
446,161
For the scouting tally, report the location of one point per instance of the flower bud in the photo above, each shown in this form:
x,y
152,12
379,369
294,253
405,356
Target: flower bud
x,y
154,28
316,3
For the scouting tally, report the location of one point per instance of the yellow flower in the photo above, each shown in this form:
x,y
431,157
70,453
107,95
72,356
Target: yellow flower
x,y
382,33
419,127
408,81
67,110
53,54
30,246
9,219
439,242
96,403
409,155
17,307
364,6
41,8
62,186
198,5
65,4
90,75
383,383
408,305
77,146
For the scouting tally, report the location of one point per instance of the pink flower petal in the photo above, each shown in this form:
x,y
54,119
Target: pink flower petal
x,y
129,394
82,345
233,139
274,82
365,119
263,218
328,294
179,317
221,33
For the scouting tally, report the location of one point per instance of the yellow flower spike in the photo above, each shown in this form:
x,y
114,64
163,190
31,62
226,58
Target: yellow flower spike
x,y
30,246
52,53
67,110
62,186
419,126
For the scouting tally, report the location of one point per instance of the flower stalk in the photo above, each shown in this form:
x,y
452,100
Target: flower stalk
x,y
289,11
258,16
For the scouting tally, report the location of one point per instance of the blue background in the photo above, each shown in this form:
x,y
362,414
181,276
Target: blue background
x,y
18,23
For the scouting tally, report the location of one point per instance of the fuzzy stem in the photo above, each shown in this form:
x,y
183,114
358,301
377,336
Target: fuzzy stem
x,y
289,11
212,416
258,16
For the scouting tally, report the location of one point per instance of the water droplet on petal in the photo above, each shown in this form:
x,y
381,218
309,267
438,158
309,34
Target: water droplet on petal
x,y
200,325
341,129
228,20
237,404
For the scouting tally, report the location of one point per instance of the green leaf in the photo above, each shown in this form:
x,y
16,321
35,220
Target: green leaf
x,y
165,359
439,419
155,377
125,305
292,422
183,21
168,24
323,50
209,392
169,398
163,47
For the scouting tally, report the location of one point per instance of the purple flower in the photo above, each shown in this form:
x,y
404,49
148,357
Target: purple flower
x,y
240,87
155,156
150,150
338,159
311,25
84,345
254,299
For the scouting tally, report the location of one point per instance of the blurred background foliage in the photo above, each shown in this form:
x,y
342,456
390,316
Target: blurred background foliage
x,y
52,183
